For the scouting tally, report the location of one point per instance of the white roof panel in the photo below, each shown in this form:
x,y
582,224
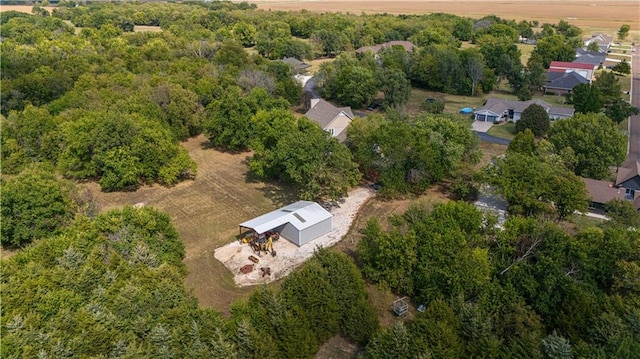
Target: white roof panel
x,y
301,214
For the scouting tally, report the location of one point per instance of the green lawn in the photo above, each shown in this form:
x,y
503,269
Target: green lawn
x,y
504,130
526,51
452,103
583,222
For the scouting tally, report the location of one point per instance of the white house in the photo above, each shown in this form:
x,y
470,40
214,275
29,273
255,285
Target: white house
x,y
499,110
334,120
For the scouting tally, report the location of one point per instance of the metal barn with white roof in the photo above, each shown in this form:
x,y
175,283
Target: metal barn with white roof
x,y
300,222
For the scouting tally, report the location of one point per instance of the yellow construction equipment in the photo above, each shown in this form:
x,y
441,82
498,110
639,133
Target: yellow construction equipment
x,y
263,243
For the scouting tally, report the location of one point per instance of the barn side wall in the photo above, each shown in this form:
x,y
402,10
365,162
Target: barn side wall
x,y
291,233
315,231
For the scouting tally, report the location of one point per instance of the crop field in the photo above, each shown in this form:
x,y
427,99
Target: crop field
x,y
595,13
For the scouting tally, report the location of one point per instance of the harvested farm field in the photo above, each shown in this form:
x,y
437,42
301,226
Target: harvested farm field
x,y
595,14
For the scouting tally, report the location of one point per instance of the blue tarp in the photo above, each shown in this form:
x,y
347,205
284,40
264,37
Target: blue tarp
x,y
466,110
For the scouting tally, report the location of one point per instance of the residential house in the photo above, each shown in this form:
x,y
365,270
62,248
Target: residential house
x,y
582,69
604,41
628,177
589,57
332,119
562,83
499,110
297,67
626,187
408,46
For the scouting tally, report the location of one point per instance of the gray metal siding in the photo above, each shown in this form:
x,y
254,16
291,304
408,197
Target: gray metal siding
x,y
315,231
291,233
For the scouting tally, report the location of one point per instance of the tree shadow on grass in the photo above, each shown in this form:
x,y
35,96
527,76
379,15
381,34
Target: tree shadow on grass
x,y
281,195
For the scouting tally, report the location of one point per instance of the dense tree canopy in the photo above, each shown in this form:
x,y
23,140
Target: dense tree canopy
x,y
123,151
537,183
594,139
407,156
527,290
35,204
300,153
115,286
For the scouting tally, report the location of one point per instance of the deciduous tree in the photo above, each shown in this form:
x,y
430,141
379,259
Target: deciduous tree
x,y
35,205
536,119
595,140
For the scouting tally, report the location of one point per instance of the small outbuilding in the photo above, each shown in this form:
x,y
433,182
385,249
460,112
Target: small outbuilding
x,y
300,222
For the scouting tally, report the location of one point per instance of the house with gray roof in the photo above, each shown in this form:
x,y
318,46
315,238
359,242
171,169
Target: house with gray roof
x,y
590,57
330,118
408,46
499,110
562,83
604,41
626,187
297,67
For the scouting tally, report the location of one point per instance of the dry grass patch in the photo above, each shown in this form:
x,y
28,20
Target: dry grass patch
x,y
338,347
490,151
145,28
206,213
315,64
525,51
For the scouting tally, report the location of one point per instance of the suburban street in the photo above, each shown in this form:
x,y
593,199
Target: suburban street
x,y
634,123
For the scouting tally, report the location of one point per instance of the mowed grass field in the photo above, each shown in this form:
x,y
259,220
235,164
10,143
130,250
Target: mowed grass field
x,y
206,213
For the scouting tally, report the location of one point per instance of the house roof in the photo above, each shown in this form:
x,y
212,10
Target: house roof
x,y
571,65
600,38
301,215
519,106
561,111
323,113
567,81
602,191
495,105
408,46
589,57
628,172
292,61
499,106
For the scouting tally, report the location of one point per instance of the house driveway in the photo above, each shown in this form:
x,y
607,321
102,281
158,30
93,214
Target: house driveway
x,y
481,126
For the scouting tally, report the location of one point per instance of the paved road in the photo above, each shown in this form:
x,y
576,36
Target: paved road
x,y
492,139
634,122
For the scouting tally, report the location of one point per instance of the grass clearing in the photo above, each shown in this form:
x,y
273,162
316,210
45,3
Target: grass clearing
x,y
489,152
504,130
452,103
579,222
145,28
315,64
526,51
206,213
338,347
